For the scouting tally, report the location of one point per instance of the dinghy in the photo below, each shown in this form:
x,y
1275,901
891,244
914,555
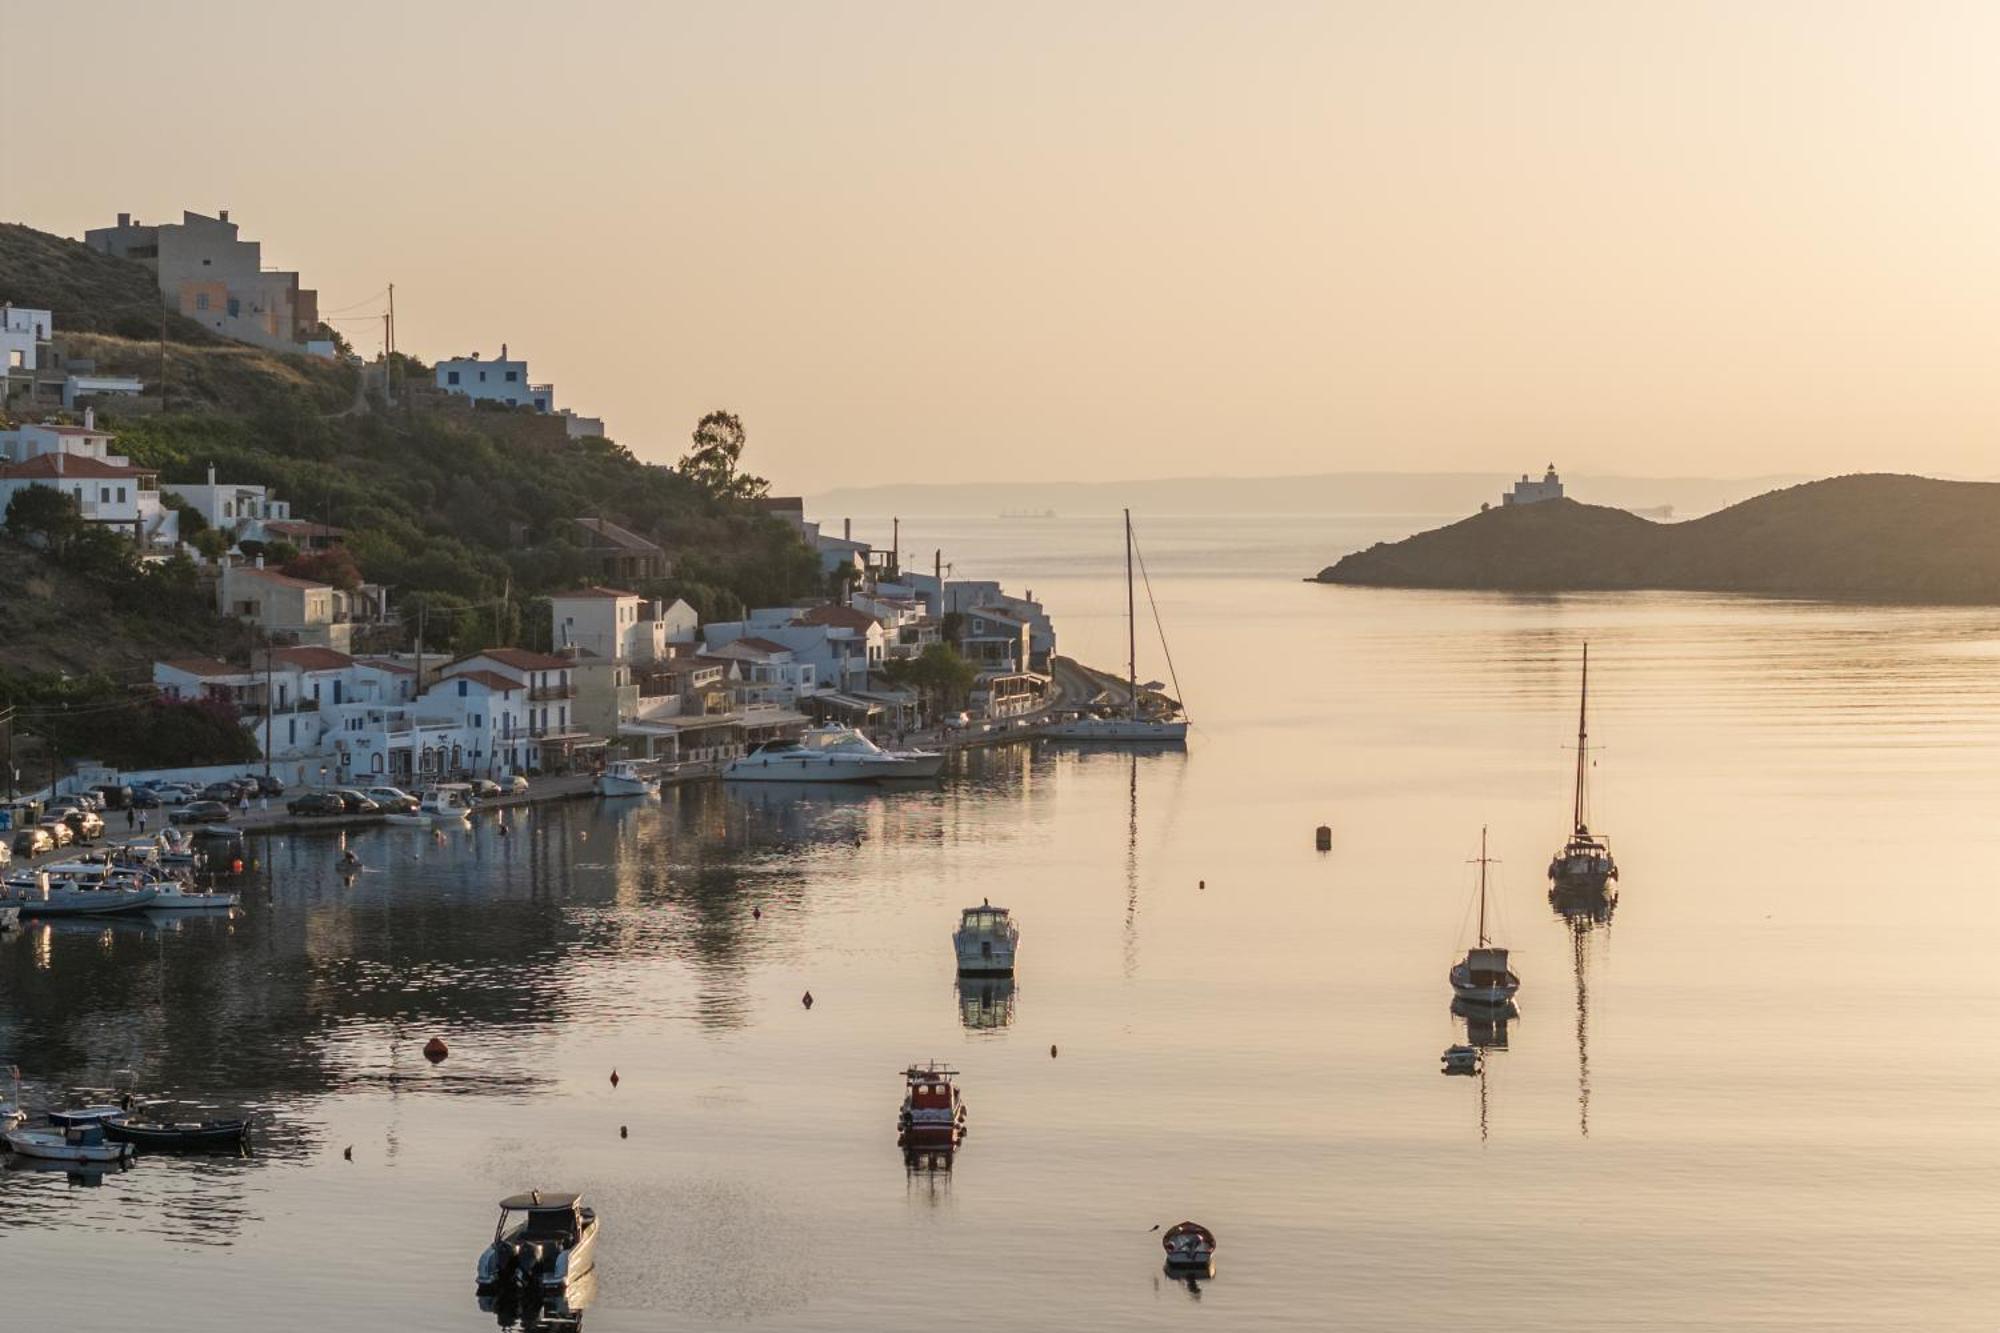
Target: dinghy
x,y
156,1136
78,1143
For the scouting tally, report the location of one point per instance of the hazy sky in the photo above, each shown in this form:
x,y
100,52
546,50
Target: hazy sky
x,y
939,241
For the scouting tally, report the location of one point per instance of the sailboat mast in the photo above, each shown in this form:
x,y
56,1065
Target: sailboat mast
x,y
1482,886
1582,737
1131,624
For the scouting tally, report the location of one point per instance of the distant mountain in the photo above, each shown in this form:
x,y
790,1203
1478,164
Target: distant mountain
x,y
1317,493
1873,536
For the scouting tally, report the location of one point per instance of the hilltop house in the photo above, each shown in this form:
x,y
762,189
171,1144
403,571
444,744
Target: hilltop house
x,y
107,488
502,380
230,508
209,274
622,556
24,338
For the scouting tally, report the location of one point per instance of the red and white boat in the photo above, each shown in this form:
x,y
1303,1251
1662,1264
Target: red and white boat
x,y
933,1114
1190,1247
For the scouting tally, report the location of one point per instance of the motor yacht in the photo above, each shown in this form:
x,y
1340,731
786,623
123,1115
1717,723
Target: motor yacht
x,y
543,1241
985,941
830,753
627,777
36,894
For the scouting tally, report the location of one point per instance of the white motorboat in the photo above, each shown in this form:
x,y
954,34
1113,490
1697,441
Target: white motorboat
x,y
626,777
985,941
923,763
1483,976
543,1242
178,897
831,753
37,895
78,1143
1461,1059
1584,865
1134,722
446,804
85,1115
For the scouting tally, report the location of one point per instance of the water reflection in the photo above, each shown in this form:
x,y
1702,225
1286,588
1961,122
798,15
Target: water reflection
x,y
513,1308
986,1005
1485,1024
1584,912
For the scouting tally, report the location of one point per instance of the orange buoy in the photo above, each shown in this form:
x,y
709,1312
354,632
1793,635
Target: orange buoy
x,y
756,914
435,1050
614,1078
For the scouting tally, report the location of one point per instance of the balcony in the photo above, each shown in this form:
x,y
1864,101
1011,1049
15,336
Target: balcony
x,y
543,693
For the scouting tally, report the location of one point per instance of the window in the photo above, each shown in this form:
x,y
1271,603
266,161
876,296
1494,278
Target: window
x,y
228,509
206,262
482,377
201,298
451,377
121,495
512,376
461,689
104,495
235,307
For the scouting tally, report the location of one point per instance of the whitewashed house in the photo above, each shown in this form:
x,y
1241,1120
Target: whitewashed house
x,y
24,333
501,380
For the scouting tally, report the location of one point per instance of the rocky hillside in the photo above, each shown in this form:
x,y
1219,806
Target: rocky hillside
x,y
1874,536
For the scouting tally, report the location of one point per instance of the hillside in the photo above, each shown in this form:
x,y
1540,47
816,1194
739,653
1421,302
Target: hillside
x,y
1878,536
464,513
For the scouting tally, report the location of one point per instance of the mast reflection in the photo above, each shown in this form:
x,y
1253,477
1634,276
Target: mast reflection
x,y
1584,911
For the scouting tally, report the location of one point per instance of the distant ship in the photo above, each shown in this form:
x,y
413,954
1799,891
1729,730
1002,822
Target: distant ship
x,y
1028,513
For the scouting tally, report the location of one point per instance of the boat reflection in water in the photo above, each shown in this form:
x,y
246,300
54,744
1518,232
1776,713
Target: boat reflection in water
x,y
1485,1024
81,1176
513,1307
986,1006
1585,911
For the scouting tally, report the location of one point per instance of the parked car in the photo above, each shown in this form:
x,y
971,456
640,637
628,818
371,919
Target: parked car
x,y
87,825
392,800
59,833
201,812
485,789
316,803
229,790
33,841
357,802
172,793
267,785
145,798
518,784
115,795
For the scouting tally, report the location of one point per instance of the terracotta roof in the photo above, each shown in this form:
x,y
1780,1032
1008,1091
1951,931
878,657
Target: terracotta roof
x,y
519,658
836,617
616,536
592,591
72,465
492,680
273,576
205,667
763,645
384,664
312,658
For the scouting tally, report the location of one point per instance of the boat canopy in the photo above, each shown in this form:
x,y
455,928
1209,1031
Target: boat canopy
x,y
537,1201
1486,959
983,918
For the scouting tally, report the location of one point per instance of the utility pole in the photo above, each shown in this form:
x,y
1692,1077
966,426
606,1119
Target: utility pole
x,y
269,703
389,364
896,548
163,358
423,614
7,721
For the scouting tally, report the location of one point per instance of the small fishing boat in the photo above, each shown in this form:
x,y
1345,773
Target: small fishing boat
x,y
1190,1247
1584,863
78,1143
933,1114
85,1115
627,778
985,941
543,1241
1483,975
1461,1059
178,897
444,804
159,1136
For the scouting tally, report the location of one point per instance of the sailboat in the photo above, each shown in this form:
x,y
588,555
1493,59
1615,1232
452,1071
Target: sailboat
x,y
1483,976
1584,864
1132,724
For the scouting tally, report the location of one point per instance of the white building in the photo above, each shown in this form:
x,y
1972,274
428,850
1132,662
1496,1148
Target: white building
x,y
85,441
502,380
228,507
207,273
78,387
119,495
609,636
1528,492
23,334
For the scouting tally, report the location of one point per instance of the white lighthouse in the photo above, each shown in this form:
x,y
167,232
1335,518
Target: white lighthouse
x,y
1528,492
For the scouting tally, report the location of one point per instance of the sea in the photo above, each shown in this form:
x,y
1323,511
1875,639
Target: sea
x,y
1752,1093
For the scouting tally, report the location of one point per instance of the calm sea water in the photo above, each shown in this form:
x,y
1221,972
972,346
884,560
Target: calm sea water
x,y
1756,1096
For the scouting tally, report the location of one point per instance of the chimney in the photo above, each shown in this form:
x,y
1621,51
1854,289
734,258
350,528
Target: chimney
x,y
211,474
90,418
847,529
222,215
503,351
124,219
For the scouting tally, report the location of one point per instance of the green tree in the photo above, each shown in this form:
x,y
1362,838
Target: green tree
x,y
713,462
939,675
43,517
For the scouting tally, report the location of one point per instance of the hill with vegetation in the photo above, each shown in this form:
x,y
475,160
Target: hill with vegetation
x,y
467,514
1875,536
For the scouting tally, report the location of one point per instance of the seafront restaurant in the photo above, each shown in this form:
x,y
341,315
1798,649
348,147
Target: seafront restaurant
x,y
709,737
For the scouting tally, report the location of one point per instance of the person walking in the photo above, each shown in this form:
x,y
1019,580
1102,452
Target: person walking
x,y
131,819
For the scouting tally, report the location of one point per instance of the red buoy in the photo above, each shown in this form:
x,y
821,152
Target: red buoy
x,y
435,1050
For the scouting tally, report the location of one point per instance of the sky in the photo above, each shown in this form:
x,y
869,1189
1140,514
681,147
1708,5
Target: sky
x,y
1091,240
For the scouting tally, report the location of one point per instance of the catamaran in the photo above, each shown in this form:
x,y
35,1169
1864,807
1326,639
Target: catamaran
x,y
1483,976
1134,723
1584,863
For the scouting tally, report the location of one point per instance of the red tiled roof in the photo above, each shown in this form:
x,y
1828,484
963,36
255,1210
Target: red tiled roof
x,y
836,617
592,591
519,658
205,667
312,658
72,465
384,664
492,680
763,645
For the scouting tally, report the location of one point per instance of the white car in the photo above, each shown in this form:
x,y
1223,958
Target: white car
x,y
174,793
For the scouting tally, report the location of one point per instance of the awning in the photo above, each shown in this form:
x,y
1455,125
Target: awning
x,y
846,703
